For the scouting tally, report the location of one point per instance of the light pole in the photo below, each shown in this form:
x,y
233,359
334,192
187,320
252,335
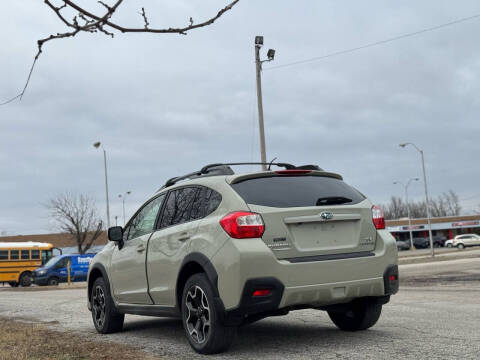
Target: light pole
x,y
97,145
258,65
116,222
427,203
123,201
408,208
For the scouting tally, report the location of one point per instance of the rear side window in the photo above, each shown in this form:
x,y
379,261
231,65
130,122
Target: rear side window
x,y
178,207
14,255
297,191
206,202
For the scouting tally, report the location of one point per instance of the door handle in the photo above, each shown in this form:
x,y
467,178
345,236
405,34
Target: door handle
x,y
140,248
183,237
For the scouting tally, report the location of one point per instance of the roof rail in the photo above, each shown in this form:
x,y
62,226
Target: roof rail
x,y
225,169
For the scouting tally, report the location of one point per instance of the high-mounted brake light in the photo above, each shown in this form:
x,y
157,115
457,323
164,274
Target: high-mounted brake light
x,y
378,218
243,225
292,172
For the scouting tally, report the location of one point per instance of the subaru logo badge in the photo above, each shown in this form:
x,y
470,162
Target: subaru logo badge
x,y
326,215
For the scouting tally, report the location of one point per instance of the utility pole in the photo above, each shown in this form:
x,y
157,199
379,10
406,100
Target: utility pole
x,y
258,66
97,145
427,201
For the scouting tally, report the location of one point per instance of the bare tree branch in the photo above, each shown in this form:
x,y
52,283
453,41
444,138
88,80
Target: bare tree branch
x,y
93,23
77,216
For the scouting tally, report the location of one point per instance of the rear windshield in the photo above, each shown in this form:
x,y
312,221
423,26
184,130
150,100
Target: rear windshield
x,y
297,191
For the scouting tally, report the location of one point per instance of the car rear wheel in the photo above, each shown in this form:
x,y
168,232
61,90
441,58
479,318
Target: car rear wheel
x,y
201,320
26,279
105,316
361,316
461,246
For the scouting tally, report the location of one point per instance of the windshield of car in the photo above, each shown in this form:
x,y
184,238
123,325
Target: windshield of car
x,y
297,191
51,262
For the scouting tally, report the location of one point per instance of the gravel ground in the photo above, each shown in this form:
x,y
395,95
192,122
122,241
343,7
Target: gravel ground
x,y
435,319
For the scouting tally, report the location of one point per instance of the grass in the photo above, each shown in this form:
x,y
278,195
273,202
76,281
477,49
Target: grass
x,y
30,341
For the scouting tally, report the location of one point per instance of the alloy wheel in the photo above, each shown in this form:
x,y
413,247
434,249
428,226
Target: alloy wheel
x,y
197,314
98,302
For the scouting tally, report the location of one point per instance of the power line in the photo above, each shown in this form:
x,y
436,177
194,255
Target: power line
x,y
381,42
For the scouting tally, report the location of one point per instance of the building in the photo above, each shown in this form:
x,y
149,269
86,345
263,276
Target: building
x,y
448,226
58,240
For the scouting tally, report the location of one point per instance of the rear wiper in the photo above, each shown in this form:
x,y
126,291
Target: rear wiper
x,y
332,200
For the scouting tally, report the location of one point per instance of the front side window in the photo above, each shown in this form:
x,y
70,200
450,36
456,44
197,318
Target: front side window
x,y
25,254
3,254
144,221
178,206
14,254
62,263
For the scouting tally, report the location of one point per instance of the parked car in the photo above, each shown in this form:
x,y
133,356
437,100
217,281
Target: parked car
x,y
219,250
421,242
462,241
55,270
439,241
424,242
403,245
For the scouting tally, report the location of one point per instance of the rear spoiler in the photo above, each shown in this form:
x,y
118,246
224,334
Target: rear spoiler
x,y
239,178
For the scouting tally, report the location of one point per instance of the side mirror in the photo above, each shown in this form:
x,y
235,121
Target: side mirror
x,y
115,234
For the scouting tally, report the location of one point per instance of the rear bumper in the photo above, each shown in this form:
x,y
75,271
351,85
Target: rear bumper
x,y
324,297
308,284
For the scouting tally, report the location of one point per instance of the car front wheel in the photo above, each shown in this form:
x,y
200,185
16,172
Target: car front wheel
x,y
461,246
105,316
361,316
201,319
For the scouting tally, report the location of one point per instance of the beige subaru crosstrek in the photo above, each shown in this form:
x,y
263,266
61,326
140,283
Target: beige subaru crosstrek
x,y
220,250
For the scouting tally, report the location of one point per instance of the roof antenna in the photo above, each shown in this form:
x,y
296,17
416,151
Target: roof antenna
x,y
270,164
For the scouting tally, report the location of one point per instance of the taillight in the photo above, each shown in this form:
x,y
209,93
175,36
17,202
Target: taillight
x,y
292,172
378,217
263,292
243,225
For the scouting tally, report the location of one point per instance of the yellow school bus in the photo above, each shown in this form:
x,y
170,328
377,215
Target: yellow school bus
x,y
19,259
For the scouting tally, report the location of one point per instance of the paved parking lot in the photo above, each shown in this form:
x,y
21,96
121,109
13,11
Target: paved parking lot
x,y
435,318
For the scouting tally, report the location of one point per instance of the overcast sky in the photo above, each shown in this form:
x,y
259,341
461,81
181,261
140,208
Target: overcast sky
x,y
165,105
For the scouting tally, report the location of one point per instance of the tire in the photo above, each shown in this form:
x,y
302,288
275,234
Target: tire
x,y
449,246
105,316
199,310
25,279
461,246
53,281
362,316
13,284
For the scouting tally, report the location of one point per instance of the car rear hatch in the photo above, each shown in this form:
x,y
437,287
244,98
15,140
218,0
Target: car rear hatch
x,y
309,215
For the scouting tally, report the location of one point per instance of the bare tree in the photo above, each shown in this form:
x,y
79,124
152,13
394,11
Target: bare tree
x,y
77,215
78,19
446,204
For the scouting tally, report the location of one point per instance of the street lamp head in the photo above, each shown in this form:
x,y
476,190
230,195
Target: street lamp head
x,y
271,54
403,145
259,41
120,195
395,182
97,144
129,192
416,179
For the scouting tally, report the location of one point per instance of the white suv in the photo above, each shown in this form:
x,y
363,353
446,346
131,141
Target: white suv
x,y
462,241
